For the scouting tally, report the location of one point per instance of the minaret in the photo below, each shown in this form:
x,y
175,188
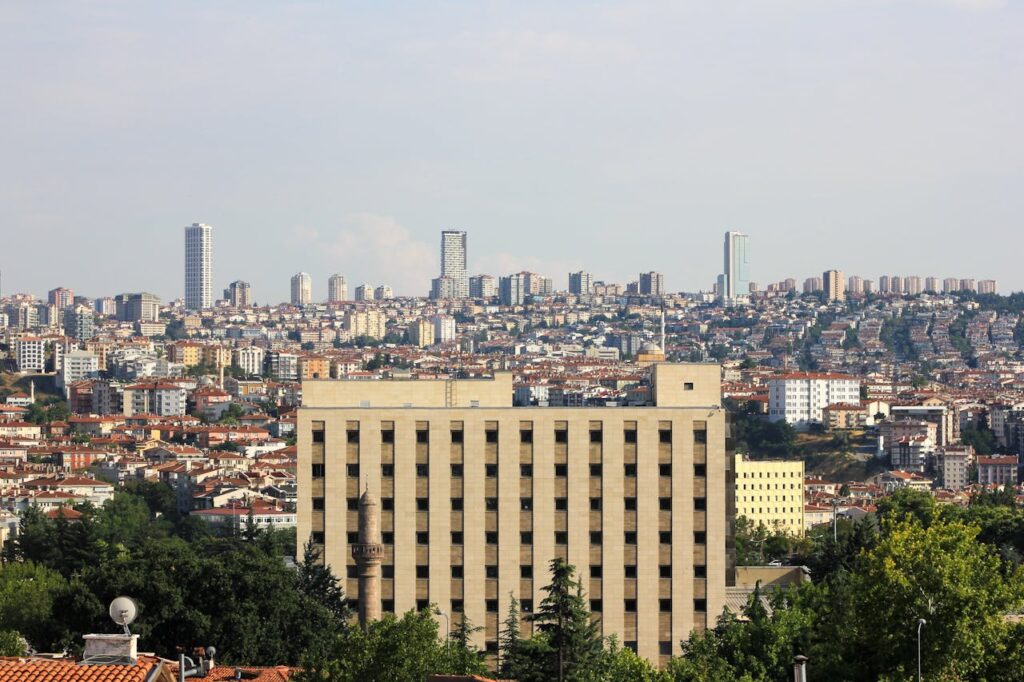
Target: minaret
x,y
368,553
664,348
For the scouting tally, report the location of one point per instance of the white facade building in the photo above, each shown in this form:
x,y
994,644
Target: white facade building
x,y
799,398
453,260
198,266
249,359
337,289
444,328
30,353
735,279
302,289
78,365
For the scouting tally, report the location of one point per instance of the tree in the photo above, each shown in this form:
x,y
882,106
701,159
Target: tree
x,y
509,639
317,582
564,620
464,658
26,600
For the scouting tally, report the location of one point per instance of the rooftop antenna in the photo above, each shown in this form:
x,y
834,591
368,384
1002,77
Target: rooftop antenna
x,y
123,611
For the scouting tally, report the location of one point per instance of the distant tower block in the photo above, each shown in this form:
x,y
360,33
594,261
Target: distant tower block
x,y
368,554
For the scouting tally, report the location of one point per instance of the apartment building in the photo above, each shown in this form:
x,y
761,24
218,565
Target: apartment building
x,y
30,354
770,493
478,496
800,398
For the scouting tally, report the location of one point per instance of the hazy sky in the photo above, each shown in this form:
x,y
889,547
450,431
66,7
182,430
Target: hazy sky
x,y
875,136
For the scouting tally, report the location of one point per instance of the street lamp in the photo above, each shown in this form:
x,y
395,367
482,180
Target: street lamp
x,y
920,623
447,629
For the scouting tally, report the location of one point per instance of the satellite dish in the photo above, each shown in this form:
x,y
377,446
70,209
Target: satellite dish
x,y
123,611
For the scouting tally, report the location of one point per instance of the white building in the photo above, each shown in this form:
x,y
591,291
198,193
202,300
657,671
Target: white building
x,y
453,260
30,354
364,292
302,289
337,289
249,359
198,266
735,279
483,286
383,293
444,328
78,365
581,283
799,398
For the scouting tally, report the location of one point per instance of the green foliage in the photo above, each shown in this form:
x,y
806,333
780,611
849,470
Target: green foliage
x,y
48,410
979,436
11,643
564,620
757,545
464,658
895,334
27,592
754,434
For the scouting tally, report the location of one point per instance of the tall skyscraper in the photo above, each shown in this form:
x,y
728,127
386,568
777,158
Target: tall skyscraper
x,y
735,278
453,260
61,297
198,266
337,289
652,283
302,289
513,290
834,285
581,283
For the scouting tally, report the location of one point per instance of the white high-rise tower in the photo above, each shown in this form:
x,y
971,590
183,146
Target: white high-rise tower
x,y
337,289
735,281
198,266
302,289
453,261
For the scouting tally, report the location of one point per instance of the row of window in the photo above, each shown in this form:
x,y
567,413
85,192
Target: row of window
x,y
491,470
525,571
525,537
526,606
770,474
525,503
525,436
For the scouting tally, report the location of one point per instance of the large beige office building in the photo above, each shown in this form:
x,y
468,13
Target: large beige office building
x,y
770,492
477,497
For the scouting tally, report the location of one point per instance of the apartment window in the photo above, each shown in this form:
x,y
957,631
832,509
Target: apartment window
x,y
700,537
630,435
665,537
630,504
595,469
595,537
456,606
700,436
422,470
423,537
630,470
457,572
526,503
526,538
352,503
596,435
317,537
561,537
387,605
457,469
700,470
387,470
561,436
629,571
664,435
561,504
491,435
700,503
456,504
526,435
491,647
457,436
630,644
457,537
422,504
526,572
318,471
665,503
352,470
352,436
630,537
491,571
526,470
318,436
700,605
490,470
664,648
700,571
491,605
352,538
387,538
387,436
596,571
422,604
629,605
665,470
665,605
595,504
665,571
491,537
562,470
422,436
423,571
526,606
352,571
596,606
318,504
387,571
387,503
687,385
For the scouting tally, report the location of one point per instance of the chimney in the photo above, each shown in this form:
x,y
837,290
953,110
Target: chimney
x,y
118,649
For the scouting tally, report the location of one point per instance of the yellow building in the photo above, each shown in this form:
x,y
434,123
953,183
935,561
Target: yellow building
x,y
185,353
216,356
478,496
770,492
314,367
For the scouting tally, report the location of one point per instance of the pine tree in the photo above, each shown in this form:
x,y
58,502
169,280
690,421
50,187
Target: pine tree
x,y
509,639
318,583
564,619
463,656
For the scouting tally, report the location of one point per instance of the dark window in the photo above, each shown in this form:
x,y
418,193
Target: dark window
x,y
561,436
490,470
561,504
700,571
423,571
456,606
387,503
353,605
422,604
526,435
491,537
422,470
387,605
700,470
664,435
456,504
595,435
665,503
664,648
352,435
561,537
387,538
491,605
526,470
630,504
630,435
457,436
665,537
422,436
352,571
700,605
457,572
352,538
700,436
387,571
700,537
630,537
630,644
352,503
526,606
596,606
456,537
700,503
595,537
630,470
526,503
526,572
317,537
491,647
596,571
318,436
318,504
352,470
491,571
422,504
422,537
457,469
595,469
664,571
318,471
665,605
664,469
387,436
526,537
595,504
629,605
387,470
491,435
561,470
687,385
629,572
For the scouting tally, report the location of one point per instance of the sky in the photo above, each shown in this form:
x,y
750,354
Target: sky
x,y
873,136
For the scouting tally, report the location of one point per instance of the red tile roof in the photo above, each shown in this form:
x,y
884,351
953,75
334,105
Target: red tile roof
x,y
68,670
